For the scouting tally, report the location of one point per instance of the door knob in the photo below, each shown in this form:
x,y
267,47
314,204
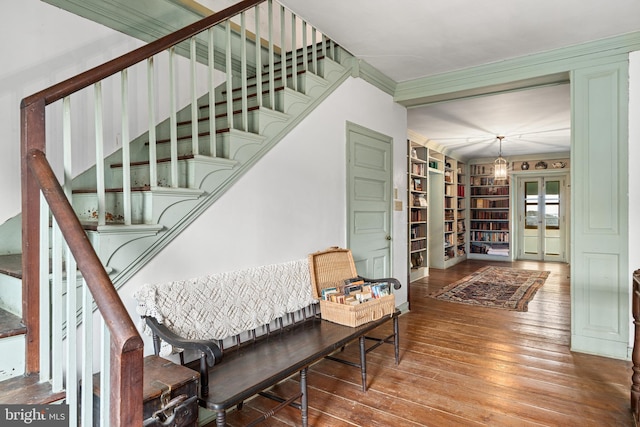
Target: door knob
x,y
388,237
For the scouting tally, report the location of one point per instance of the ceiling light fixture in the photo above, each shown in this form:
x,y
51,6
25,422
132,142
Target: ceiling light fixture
x,y
500,168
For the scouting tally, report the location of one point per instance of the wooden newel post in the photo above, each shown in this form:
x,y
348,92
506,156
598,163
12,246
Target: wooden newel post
x,y
635,355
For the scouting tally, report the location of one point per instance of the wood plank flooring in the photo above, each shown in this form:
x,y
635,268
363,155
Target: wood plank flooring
x,y
469,366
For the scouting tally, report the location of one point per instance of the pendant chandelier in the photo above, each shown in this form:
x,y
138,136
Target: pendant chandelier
x,y
500,167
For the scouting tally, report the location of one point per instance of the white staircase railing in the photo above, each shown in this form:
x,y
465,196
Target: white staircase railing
x,y
221,61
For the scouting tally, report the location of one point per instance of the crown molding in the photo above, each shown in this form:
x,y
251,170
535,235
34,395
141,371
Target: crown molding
x,y
424,141
517,73
362,69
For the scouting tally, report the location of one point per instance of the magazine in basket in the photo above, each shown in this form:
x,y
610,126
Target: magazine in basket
x,y
346,298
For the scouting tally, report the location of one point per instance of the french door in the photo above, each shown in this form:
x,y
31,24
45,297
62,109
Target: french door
x,y
542,204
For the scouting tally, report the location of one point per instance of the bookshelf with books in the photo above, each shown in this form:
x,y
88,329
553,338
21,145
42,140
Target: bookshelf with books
x,y
418,165
489,222
447,238
461,217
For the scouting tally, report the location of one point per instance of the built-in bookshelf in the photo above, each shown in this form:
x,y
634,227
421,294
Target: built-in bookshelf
x,y
461,211
489,222
447,217
418,165
450,207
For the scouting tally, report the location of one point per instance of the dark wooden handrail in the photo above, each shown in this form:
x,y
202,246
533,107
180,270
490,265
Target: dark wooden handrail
x,y
126,344
96,74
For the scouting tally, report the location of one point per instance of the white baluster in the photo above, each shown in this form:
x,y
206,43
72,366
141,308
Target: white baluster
x,y
45,293
272,97
305,60
126,156
294,51
283,47
258,59
72,342
212,94
195,149
99,125
151,103
105,374
314,50
86,398
173,118
57,383
324,46
229,72
243,70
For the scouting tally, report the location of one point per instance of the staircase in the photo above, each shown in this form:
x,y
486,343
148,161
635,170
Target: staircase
x,y
141,196
158,210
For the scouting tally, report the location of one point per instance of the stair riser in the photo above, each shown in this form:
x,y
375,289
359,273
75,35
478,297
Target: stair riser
x,y
86,207
11,294
140,173
12,362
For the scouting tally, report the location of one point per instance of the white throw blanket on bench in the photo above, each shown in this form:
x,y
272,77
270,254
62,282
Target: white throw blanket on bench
x,y
224,304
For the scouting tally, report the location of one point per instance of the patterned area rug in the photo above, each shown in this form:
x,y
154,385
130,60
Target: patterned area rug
x,y
496,287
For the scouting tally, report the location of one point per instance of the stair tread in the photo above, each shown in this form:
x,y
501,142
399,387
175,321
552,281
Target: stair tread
x,y
110,190
10,325
28,391
146,162
11,265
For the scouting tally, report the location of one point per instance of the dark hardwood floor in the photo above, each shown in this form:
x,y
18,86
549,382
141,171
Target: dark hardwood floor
x,y
470,366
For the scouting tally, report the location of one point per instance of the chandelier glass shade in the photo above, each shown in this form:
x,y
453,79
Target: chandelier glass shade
x,y
500,164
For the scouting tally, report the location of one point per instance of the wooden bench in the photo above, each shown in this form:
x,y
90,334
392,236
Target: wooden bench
x,y
236,364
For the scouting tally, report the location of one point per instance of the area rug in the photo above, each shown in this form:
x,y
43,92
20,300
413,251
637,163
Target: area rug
x,y
496,287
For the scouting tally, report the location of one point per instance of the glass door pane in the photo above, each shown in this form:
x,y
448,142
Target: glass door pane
x,y
552,241
532,218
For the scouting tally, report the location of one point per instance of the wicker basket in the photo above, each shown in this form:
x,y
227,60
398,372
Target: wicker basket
x,y
329,269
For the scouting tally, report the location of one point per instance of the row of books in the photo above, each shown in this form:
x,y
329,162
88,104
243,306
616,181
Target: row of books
x,y
489,203
417,169
356,291
489,191
491,226
417,232
488,180
481,169
418,244
418,215
483,236
490,215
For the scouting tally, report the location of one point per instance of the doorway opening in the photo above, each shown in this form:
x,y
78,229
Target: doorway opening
x,y
541,218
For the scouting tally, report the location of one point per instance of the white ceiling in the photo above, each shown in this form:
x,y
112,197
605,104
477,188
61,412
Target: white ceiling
x,y
409,39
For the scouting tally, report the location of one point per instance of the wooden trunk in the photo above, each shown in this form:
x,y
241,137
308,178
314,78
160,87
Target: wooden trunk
x,y
170,394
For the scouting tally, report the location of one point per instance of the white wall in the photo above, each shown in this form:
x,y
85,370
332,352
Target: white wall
x,y
293,202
